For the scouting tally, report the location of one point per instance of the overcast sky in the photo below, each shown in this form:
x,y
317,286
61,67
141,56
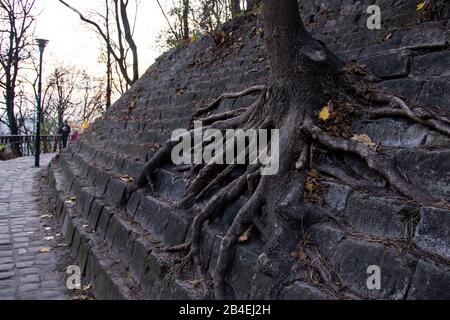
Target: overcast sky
x,y
73,42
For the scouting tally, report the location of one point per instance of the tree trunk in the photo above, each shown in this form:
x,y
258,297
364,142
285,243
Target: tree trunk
x,y
108,59
185,19
235,8
251,4
128,34
12,121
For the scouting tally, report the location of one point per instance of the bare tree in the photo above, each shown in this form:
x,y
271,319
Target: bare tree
x,y
60,95
124,31
92,98
16,24
108,59
179,27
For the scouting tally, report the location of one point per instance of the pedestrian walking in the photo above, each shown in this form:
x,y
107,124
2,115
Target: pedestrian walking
x,y
65,133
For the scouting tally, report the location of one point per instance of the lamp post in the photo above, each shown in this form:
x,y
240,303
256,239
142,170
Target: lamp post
x,y
42,43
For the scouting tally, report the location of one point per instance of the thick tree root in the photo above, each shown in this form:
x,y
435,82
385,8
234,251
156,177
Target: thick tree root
x,y
239,226
213,207
430,120
374,160
225,96
222,116
399,108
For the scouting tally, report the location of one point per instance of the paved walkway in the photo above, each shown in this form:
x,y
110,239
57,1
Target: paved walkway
x,y
25,271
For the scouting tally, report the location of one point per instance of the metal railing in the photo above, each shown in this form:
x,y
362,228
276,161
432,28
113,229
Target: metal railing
x,y
25,143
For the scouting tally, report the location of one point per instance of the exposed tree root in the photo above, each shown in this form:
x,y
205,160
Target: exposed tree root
x,y
276,206
225,96
240,223
374,160
399,108
213,207
430,120
222,116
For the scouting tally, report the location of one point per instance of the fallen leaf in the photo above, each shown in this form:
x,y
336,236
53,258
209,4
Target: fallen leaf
x,y
126,179
421,6
366,140
46,216
87,287
71,200
45,250
245,236
310,186
326,113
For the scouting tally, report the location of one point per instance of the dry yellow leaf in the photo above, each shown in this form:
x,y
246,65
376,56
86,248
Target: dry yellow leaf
x,y
325,114
365,139
45,250
310,186
47,216
421,6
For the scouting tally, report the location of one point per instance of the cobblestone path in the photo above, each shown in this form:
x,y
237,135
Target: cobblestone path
x,y
26,270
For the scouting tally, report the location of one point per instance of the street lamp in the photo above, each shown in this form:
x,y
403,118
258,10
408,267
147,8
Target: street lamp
x,y
42,43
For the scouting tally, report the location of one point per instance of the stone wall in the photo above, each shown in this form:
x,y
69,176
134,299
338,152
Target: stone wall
x,y
117,246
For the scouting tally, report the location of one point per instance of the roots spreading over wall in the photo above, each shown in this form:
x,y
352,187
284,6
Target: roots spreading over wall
x,y
277,209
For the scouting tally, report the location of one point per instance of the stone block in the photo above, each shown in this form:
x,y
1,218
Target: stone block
x,y
436,93
164,220
430,282
428,170
393,133
336,195
433,64
433,231
301,291
115,191
353,258
389,65
377,216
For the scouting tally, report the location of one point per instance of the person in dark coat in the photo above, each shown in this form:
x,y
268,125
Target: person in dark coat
x,y
65,133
